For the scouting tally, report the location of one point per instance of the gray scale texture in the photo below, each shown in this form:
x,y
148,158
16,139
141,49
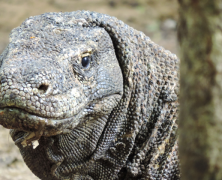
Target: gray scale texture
x,y
116,118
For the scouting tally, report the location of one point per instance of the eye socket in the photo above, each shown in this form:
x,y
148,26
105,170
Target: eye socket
x,y
86,61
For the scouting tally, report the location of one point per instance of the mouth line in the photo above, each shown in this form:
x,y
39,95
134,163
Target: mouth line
x,y
19,119
13,108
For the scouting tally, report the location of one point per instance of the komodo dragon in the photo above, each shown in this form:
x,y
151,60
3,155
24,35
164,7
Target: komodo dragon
x,y
88,97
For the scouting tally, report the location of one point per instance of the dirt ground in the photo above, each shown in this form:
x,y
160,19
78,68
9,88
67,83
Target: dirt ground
x,y
157,19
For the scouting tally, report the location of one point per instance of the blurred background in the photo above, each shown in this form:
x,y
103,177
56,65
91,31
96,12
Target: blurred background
x,y
156,18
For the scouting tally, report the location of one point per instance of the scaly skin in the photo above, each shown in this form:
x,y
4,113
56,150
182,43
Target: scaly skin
x,y
112,117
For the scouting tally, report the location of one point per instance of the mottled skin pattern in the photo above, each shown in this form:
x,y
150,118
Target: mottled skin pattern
x,y
113,117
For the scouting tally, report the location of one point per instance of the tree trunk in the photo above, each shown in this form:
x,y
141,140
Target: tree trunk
x,y
200,37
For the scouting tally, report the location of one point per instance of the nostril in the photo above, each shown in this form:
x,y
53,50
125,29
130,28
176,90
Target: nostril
x,y
43,88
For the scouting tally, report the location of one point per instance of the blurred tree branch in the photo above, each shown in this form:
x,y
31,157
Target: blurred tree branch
x,y
200,37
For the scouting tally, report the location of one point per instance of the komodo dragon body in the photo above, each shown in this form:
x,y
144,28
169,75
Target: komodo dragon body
x,y
99,98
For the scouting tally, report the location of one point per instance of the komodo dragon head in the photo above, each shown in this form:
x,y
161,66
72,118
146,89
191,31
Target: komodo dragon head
x,y
88,97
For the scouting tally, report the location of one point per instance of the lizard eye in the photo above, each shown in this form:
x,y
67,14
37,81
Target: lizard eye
x,y
86,61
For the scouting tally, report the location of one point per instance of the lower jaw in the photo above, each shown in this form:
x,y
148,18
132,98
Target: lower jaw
x,y
21,120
